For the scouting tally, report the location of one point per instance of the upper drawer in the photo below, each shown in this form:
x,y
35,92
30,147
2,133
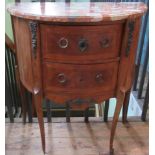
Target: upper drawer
x,y
80,43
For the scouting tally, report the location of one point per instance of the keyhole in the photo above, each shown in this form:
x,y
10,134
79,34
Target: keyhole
x,y
83,45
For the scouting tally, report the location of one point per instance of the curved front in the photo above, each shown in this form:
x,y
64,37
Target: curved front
x,y
23,50
71,82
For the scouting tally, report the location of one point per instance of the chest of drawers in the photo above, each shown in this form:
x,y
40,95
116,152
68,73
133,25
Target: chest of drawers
x,y
76,53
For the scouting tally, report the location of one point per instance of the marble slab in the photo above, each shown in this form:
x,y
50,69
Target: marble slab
x,y
77,11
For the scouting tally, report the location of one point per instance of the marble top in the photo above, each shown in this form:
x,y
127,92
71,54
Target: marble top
x,y
77,11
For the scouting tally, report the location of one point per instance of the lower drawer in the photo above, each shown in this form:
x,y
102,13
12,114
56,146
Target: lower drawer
x,y
79,79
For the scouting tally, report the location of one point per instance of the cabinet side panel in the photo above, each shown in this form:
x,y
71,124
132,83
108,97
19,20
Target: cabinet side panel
x,y
23,49
128,54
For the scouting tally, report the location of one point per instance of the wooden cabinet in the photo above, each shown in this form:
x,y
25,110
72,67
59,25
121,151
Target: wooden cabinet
x,y
76,58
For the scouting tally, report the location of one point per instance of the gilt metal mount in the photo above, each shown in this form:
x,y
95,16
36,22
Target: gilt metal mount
x,y
131,26
33,28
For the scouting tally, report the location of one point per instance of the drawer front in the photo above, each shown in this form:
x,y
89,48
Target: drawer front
x,y
80,43
79,79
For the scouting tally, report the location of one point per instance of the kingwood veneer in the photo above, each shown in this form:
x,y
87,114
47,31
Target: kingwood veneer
x,y
76,53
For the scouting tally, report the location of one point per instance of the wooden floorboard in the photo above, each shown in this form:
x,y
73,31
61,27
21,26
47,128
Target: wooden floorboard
x,y
77,138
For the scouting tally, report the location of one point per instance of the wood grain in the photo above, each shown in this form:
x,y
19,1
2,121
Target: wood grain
x,y
23,50
95,37
91,139
79,79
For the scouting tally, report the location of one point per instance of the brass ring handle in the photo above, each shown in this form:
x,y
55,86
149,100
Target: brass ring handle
x,y
105,42
63,43
62,78
99,77
83,44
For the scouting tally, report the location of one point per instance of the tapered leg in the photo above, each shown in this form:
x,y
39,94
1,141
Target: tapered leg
x,y
67,112
33,107
86,115
29,106
120,100
23,101
48,107
38,106
106,110
125,107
